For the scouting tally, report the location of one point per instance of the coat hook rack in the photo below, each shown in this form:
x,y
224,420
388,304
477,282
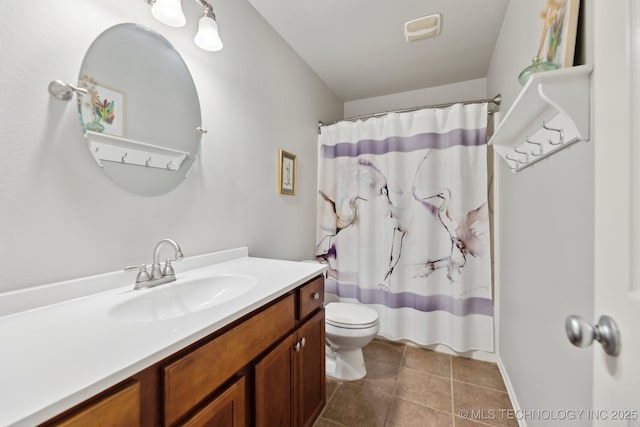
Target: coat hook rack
x,y
110,148
533,157
550,114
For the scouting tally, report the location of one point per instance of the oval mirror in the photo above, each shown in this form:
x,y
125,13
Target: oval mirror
x,y
141,116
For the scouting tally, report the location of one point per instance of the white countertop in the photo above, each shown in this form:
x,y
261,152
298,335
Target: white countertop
x,y
57,353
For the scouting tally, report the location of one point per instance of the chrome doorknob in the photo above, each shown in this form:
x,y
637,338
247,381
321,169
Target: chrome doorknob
x,y
582,333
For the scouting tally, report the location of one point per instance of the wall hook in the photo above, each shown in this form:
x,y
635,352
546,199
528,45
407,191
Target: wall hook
x,y
560,132
539,144
515,161
64,91
147,162
526,155
124,157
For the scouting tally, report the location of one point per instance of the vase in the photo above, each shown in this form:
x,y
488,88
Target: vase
x,y
537,66
95,126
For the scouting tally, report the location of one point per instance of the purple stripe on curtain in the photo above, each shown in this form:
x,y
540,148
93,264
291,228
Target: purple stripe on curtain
x,y
425,303
404,144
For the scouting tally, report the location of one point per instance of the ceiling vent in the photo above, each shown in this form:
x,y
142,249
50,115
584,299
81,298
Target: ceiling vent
x,y
422,28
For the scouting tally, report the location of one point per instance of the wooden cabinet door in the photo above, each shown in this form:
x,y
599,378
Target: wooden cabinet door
x,y
226,410
311,387
274,386
118,409
193,377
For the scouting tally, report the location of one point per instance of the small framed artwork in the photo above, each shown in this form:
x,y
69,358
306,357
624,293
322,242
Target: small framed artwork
x,y
560,26
287,173
103,109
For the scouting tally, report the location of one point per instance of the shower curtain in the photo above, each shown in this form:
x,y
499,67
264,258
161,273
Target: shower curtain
x,y
403,223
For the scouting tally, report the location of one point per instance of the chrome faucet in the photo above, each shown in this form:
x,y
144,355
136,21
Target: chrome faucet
x,y
158,274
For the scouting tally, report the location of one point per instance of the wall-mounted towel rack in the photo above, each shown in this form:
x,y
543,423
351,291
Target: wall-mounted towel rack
x,y
105,147
550,114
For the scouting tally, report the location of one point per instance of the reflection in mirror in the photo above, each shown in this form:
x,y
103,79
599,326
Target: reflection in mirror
x,y
141,115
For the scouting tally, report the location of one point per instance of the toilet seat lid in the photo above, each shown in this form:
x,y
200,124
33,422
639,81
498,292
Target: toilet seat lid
x,y
350,315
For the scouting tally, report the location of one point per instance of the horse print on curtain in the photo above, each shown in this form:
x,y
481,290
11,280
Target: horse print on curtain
x,y
403,223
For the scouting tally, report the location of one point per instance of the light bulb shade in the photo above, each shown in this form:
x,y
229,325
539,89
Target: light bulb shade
x,y
169,12
207,37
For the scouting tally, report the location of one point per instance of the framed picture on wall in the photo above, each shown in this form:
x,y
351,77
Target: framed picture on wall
x,y
560,26
286,173
557,44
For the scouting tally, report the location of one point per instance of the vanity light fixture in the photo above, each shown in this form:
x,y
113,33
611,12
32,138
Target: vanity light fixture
x,y
169,12
208,37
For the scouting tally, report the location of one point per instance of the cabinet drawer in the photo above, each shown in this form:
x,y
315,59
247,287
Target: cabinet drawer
x,y
311,297
226,410
190,379
119,409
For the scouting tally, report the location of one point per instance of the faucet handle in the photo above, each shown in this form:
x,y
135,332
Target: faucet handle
x,y
168,268
143,275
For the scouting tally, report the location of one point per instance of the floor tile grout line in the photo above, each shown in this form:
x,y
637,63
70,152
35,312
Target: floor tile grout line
x,y
425,372
478,422
331,421
362,386
415,402
453,414
388,420
386,416
395,396
481,386
395,384
404,354
421,404
334,392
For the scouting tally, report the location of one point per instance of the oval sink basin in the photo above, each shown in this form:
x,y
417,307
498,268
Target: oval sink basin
x,y
182,297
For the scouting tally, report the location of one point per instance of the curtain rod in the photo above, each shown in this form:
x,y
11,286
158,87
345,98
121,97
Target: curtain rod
x,y
495,100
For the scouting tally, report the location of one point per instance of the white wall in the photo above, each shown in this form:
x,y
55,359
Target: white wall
x,y
467,90
61,218
545,258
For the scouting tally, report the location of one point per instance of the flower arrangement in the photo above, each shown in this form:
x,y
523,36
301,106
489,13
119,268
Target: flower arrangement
x,y
104,110
553,17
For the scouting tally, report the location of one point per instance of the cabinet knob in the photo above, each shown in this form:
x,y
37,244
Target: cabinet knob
x,y
300,344
316,295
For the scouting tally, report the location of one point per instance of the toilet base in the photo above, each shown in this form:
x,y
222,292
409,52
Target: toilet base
x,y
347,365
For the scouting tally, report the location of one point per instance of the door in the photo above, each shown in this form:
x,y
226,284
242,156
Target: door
x,y
311,370
226,410
616,116
274,382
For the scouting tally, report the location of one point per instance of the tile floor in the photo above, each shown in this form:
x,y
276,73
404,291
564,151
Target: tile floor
x,y
408,386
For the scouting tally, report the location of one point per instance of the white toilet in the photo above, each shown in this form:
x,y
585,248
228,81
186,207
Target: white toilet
x,y
349,327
